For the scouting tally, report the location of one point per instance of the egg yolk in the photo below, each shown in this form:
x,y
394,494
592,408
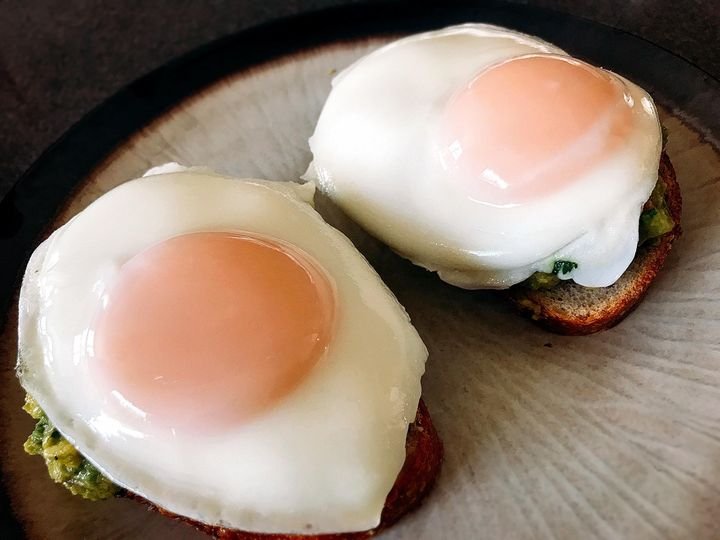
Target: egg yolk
x,y
529,126
208,329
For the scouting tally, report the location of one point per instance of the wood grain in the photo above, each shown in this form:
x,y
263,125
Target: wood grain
x,y
615,435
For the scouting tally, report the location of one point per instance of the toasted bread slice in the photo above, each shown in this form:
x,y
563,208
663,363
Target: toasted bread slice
x,y
423,457
573,309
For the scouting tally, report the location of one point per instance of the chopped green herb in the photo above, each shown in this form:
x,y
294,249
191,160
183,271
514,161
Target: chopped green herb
x,y
563,267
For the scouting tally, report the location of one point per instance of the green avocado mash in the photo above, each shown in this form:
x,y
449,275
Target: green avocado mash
x,y
541,280
65,464
655,219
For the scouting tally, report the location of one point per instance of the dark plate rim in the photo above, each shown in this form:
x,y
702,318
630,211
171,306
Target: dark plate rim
x,y
40,192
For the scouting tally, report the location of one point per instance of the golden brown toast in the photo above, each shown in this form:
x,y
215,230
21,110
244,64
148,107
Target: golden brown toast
x,y
423,457
572,309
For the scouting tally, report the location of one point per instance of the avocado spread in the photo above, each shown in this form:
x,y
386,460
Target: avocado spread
x,y
65,464
655,219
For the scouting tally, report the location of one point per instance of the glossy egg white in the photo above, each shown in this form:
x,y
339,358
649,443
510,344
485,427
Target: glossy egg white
x,y
375,152
323,459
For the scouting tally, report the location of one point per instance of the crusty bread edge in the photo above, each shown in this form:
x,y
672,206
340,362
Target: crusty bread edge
x,y
424,455
545,313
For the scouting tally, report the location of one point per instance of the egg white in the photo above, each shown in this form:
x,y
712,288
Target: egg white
x,y
375,152
323,460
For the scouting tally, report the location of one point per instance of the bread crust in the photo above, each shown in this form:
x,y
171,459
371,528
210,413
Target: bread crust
x,y
556,316
423,458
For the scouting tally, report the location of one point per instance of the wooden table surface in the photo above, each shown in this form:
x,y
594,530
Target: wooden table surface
x,y
60,58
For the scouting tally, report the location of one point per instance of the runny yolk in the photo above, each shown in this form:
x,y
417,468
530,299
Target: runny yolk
x,y
208,329
529,126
